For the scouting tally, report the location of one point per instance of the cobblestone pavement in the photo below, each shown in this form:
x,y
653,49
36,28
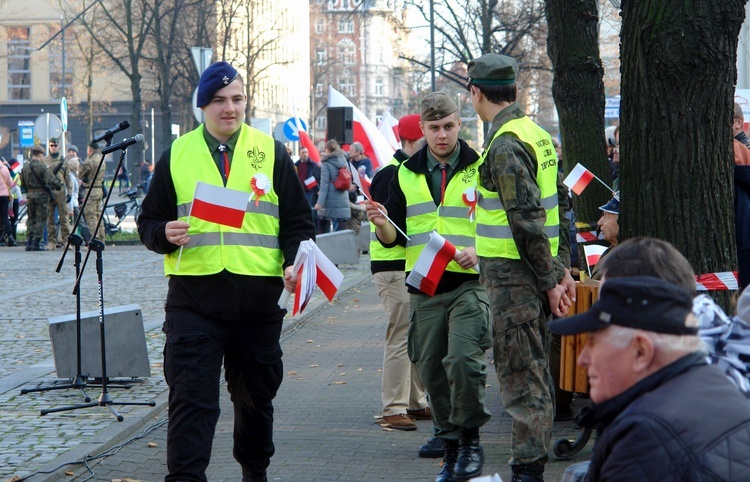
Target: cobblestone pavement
x,y
326,409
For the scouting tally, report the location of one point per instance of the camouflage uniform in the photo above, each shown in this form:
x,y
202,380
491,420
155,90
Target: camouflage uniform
x,y
37,198
59,168
93,208
516,290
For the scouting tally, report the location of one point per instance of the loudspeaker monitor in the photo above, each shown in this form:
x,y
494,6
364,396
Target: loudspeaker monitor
x,y
340,120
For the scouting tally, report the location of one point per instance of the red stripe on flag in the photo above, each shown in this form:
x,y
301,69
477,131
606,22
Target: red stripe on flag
x,y
217,214
582,182
437,268
592,259
305,141
325,284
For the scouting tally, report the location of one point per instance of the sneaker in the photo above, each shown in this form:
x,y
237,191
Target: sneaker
x,y
400,422
433,449
420,414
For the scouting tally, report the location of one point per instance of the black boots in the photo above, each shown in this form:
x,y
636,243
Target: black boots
x,y
470,455
255,472
449,461
29,243
11,241
36,245
528,473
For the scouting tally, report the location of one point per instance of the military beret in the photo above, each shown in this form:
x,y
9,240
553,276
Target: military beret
x,y
408,128
436,106
53,140
217,76
493,69
38,149
73,148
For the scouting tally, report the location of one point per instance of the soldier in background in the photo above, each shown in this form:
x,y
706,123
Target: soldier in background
x,y
38,181
520,233
59,168
93,208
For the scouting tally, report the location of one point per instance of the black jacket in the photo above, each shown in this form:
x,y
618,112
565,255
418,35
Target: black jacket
x,y
396,207
225,295
686,422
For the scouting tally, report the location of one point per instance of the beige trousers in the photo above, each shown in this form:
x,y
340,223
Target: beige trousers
x,y
401,388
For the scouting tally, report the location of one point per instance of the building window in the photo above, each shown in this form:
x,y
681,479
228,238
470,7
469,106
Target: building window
x,y
320,25
318,90
19,63
347,52
379,87
56,67
320,123
320,55
346,83
346,26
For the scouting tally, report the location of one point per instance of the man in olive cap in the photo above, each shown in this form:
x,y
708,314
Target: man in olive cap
x,y
59,168
39,183
524,252
92,181
449,331
244,269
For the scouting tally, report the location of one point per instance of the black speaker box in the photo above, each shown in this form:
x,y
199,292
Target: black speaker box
x,y
340,124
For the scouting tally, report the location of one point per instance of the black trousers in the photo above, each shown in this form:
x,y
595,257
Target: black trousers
x,y
193,355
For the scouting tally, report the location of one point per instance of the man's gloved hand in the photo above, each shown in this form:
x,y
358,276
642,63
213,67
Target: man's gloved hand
x,y
67,198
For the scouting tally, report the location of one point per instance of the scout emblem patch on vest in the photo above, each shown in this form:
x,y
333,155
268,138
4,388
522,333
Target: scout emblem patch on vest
x,y
256,158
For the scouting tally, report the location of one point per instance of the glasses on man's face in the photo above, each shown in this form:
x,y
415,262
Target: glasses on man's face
x,y
53,145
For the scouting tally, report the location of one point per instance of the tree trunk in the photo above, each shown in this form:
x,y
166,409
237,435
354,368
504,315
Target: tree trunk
x,y
578,90
678,77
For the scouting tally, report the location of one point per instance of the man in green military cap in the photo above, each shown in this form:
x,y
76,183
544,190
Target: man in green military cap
x,y
524,254
449,330
59,168
38,182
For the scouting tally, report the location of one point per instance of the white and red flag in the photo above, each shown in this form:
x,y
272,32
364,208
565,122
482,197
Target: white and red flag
x,y
313,268
310,182
593,253
375,144
578,179
219,205
389,128
431,264
304,139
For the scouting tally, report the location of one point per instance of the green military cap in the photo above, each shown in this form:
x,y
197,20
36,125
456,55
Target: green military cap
x,y
53,140
38,149
436,106
493,69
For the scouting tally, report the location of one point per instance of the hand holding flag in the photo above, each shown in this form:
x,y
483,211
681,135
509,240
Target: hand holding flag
x,y
313,268
431,264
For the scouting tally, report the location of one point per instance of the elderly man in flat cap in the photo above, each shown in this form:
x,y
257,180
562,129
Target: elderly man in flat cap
x,y
449,331
662,413
524,253
222,300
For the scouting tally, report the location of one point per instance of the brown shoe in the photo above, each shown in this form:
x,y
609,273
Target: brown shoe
x,y
400,422
421,414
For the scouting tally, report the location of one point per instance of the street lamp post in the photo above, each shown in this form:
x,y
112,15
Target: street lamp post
x,y
432,44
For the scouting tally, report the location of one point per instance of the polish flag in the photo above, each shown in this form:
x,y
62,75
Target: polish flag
x,y
310,182
219,205
593,252
431,264
304,139
375,144
328,277
389,128
578,179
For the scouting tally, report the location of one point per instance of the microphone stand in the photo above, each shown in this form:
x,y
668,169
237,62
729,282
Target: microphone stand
x,y
105,399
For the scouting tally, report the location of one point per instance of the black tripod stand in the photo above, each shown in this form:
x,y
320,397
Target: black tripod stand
x,y
96,245
79,382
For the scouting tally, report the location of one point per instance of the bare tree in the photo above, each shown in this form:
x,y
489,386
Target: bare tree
x,y
578,90
121,32
678,77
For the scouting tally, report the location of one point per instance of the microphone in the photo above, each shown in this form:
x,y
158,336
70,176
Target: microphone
x,y
111,132
124,144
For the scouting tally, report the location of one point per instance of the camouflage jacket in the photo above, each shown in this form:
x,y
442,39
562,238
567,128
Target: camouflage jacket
x,y
62,173
35,171
88,169
510,170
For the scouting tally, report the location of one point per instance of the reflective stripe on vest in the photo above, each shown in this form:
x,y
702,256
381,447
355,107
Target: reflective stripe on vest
x,y
450,219
252,249
494,236
377,251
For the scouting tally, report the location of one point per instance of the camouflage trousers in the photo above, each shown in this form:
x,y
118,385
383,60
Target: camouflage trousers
x,y
38,207
62,213
521,349
91,212
448,336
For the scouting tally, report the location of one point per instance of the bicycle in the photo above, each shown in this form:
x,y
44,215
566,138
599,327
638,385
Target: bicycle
x,y
123,210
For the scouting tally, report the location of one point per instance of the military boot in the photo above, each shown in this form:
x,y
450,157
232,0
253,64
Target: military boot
x,y
38,246
528,472
11,241
470,455
449,461
29,243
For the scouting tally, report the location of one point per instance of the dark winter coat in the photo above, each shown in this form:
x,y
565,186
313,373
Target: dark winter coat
x,y
335,203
